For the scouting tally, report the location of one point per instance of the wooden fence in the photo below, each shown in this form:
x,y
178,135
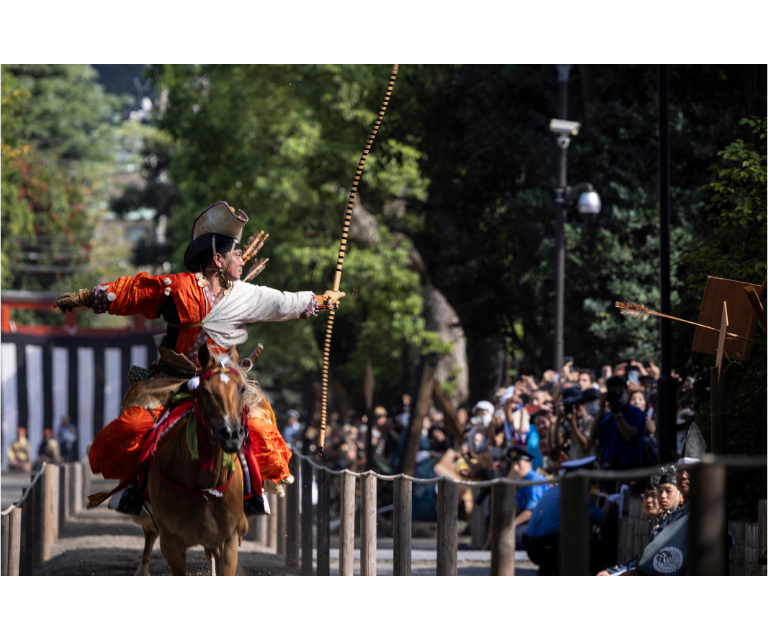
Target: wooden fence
x,y
32,525
633,528
56,492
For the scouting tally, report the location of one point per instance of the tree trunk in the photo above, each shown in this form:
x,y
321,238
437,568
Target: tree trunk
x,y
442,318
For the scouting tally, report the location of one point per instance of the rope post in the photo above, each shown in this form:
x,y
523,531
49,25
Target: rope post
x,y
323,522
368,525
4,546
706,542
64,480
306,518
401,553
574,525
27,529
14,542
272,521
503,530
478,526
76,488
281,525
293,515
51,478
347,530
37,522
261,531
86,483
447,527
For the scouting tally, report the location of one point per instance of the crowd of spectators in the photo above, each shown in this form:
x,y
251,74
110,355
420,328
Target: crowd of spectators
x,y
532,429
54,448
563,416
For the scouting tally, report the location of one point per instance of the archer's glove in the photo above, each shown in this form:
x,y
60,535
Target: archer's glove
x,y
69,301
332,298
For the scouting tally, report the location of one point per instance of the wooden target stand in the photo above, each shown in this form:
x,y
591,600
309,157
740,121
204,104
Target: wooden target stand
x,y
735,307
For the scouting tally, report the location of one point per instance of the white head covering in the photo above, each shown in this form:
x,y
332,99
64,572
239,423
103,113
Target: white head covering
x,y
485,405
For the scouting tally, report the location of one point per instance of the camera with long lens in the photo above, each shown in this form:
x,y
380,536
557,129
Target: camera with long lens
x,y
614,396
569,407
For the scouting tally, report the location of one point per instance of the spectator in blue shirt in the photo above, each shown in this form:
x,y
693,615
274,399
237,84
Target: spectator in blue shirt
x,y
527,497
622,429
542,539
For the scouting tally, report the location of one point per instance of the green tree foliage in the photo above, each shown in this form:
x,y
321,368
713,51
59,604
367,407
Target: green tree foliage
x,y
486,230
734,248
58,140
282,143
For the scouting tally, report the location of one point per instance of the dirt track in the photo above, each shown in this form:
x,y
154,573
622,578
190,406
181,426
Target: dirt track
x,y
102,542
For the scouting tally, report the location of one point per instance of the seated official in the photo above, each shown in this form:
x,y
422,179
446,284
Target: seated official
x,y
655,515
527,498
542,538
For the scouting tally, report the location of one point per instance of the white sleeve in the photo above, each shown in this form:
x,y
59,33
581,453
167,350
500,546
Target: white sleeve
x,y
262,304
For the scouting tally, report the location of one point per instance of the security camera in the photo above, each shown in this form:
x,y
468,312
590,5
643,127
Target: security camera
x,y
564,127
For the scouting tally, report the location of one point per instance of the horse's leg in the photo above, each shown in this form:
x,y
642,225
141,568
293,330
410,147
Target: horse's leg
x,y
175,555
211,561
150,535
227,564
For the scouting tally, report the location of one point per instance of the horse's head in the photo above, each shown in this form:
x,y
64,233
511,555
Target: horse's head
x,y
222,399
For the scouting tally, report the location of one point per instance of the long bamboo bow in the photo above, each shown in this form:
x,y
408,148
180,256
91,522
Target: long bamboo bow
x,y
342,250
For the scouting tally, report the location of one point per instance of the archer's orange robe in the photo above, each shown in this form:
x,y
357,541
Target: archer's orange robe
x,y
115,450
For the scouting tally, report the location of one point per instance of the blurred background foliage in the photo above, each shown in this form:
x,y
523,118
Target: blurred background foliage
x,y
104,168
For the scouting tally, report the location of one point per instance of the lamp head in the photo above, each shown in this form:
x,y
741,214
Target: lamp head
x,y
589,204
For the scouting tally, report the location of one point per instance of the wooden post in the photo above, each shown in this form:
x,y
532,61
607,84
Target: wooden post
x,y
281,518
503,530
292,516
401,553
368,526
447,527
27,529
52,497
5,526
38,527
706,522
574,526
323,523
262,529
272,521
86,485
64,480
14,542
478,525
76,488
760,551
306,518
347,529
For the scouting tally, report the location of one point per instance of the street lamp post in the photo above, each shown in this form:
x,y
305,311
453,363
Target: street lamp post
x,y
563,74
588,203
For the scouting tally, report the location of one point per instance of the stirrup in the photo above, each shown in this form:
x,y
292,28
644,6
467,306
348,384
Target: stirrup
x,y
131,501
255,506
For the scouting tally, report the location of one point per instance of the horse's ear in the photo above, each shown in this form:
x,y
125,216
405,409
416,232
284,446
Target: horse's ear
x,y
204,356
233,355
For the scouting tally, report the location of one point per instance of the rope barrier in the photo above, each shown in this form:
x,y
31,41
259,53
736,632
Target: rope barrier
x,y
29,488
629,474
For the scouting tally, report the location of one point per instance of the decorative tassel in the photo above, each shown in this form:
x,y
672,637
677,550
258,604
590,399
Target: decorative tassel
x,y
95,499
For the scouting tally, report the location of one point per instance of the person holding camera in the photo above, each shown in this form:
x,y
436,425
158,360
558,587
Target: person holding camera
x,y
527,497
576,422
620,427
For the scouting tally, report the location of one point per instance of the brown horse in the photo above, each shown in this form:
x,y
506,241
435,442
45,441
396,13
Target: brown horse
x,y
182,520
